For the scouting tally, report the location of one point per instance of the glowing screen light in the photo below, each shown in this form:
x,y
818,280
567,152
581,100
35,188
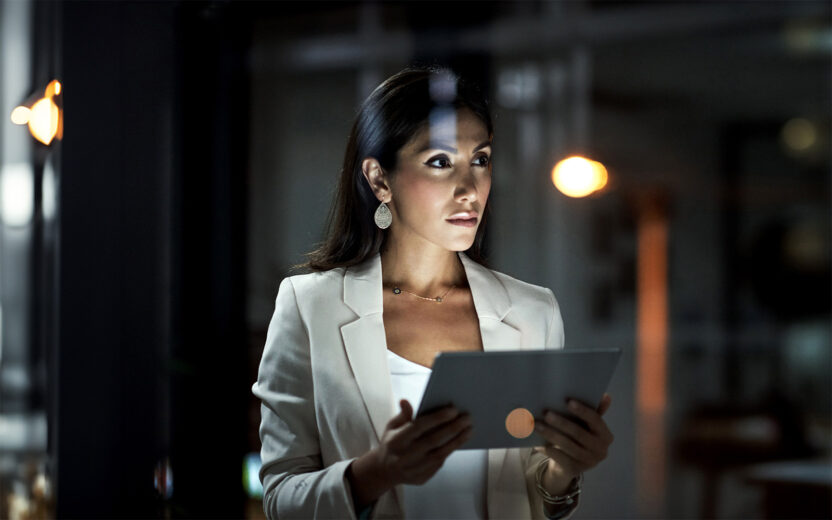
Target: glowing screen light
x,y
17,194
578,176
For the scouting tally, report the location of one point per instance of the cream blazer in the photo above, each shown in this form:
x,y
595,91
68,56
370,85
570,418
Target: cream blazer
x,y
327,397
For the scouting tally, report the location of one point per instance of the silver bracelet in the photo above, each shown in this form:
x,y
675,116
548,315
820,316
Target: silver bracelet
x,y
568,498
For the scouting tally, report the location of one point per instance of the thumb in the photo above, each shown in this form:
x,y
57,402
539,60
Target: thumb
x,y
403,417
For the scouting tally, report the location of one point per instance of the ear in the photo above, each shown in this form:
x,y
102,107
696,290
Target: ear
x,y
377,179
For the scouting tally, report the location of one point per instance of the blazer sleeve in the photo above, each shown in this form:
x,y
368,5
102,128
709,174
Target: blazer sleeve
x,y
295,485
532,457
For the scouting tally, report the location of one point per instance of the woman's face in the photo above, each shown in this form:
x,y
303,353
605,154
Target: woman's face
x,y
441,184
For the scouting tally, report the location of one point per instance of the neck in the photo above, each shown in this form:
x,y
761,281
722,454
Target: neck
x,y
428,270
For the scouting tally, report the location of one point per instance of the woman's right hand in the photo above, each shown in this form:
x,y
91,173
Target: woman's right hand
x,y
411,451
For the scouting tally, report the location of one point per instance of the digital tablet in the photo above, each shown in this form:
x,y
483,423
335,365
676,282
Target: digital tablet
x,y
504,391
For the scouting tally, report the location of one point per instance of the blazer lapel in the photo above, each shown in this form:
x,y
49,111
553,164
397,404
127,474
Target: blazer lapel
x,y
365,341
492,304
366,345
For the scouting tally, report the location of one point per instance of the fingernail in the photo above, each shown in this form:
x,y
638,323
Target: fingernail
x,y
538,427
550,416
573,405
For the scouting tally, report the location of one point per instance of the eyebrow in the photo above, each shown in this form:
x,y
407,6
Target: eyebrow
x,y
449,148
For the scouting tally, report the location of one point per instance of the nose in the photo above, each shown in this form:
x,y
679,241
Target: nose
x,y
466,188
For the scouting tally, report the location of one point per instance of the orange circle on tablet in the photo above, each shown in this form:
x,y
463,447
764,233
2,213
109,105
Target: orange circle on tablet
x,y
520,423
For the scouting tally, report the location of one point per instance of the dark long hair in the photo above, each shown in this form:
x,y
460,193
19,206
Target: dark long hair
x,y
386,121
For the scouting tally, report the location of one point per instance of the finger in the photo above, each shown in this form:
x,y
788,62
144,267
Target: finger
x,y
453,444
436,437
574,431
605,404
597,444
564,443
418,462
589,416
430,421
403,417
407,409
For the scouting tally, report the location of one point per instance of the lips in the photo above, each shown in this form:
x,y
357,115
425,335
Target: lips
x,y
464,215
464,218
465,222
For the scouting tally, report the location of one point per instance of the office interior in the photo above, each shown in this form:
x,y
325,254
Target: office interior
x,y
164,164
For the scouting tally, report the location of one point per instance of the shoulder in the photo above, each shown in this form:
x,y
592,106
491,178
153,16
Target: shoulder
x,y
314,286
501,285
525,294
530,306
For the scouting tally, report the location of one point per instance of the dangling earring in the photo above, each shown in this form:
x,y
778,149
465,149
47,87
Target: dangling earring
x,y
383,217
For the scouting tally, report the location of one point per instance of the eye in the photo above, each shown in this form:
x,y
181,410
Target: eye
x,y
482,161
440,161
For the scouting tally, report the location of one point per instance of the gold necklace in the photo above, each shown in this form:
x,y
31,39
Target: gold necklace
x,y
438,299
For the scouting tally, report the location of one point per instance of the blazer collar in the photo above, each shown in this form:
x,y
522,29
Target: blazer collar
x,y
365,341
363,292
366,346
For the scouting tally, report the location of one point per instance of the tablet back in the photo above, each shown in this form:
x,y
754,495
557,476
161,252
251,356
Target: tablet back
x,y
503,390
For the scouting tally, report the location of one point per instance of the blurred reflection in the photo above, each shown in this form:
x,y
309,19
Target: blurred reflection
x,y
49,189
652,331
26,487
17,194
799,134
251,475
30,495
163,479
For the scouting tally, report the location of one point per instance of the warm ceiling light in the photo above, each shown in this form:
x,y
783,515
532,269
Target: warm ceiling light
x,y
578,176
601,175
799,134
53,88
21,115
43,116
43,123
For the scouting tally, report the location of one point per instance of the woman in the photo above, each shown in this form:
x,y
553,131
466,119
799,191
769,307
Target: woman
x,y
350,346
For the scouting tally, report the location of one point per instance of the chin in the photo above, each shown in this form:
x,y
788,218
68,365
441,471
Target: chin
x,y
461,245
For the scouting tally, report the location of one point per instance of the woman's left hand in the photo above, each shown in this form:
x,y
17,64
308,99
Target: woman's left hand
x,y
572,448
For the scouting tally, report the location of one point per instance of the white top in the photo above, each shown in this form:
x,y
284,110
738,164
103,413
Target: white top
x,y
457,490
